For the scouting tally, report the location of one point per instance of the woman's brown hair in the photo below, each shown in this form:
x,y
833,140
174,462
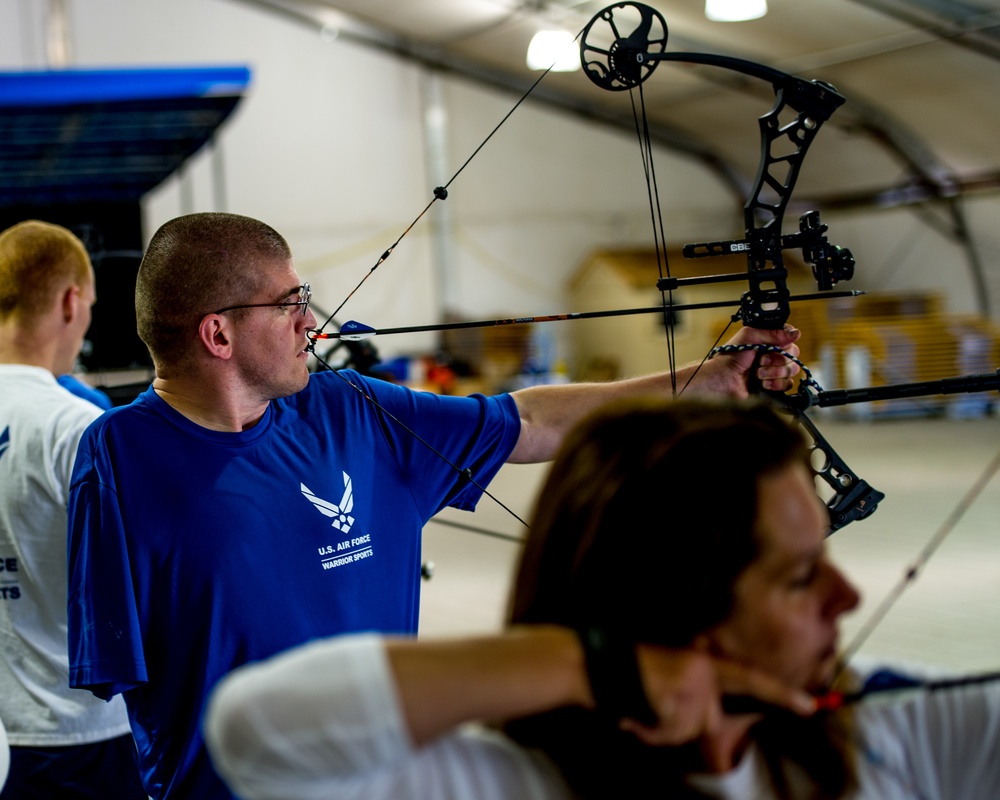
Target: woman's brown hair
x,y
644,524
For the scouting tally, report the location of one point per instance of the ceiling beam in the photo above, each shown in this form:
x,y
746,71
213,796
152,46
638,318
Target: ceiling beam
x,y
961,24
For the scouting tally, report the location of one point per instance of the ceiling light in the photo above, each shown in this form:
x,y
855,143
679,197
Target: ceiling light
x,y
735,10
555,50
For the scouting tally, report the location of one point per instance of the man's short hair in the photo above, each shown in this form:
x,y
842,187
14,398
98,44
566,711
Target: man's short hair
x,y
194,265
36,260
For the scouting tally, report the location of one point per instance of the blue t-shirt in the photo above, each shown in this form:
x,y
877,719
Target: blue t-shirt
x,y
194,551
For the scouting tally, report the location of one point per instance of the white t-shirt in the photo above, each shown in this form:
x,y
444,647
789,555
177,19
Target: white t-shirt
x,y
40,428
330,728
336,731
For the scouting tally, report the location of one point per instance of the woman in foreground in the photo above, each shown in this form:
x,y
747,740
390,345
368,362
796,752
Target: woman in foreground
x,y
671,619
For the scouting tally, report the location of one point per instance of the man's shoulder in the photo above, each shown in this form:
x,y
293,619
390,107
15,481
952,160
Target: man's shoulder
x,y
345,385
368,390
32,394
120,435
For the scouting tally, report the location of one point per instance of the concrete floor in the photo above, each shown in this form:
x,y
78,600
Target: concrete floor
x,y
949,617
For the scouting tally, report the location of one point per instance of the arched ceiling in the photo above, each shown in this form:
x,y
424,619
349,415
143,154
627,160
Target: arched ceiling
x,y
920,76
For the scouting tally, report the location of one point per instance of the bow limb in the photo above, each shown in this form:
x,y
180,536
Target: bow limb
x,y
850,498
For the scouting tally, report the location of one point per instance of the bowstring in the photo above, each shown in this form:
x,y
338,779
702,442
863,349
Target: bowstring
x,y
440,193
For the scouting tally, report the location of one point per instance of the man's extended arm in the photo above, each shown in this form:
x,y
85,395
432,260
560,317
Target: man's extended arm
x,y
548,412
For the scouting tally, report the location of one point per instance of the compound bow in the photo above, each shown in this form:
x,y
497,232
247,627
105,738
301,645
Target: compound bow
x,y
620,48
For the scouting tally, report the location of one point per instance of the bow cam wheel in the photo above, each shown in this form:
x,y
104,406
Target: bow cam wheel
x,y
615,45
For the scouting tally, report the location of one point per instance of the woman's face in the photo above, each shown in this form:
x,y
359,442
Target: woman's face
x,y
787,603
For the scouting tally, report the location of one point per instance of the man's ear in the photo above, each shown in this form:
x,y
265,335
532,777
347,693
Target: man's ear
x,y
68,303
215,334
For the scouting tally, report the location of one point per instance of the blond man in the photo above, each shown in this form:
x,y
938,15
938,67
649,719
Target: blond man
x,y
64,742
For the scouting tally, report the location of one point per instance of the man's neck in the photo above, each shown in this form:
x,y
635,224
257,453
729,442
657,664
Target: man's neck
x,y
18,348
210,406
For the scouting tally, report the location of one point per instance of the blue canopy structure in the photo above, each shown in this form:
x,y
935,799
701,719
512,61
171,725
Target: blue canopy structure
x,y
107,136
80,147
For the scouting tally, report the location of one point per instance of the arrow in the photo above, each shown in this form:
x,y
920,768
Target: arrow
x,y
354,331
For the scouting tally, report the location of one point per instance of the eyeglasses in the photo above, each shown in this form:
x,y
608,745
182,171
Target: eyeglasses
x,y
305,297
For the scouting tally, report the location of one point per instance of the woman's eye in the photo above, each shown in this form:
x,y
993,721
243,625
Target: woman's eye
x,y
806,578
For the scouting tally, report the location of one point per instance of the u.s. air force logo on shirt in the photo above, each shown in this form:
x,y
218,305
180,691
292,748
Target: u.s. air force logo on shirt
x,y
350,549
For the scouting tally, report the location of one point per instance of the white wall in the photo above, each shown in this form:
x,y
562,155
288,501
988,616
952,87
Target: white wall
x,y
897,250
328,146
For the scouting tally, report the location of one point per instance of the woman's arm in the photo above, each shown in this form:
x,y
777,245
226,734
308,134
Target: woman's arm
x,y
336,709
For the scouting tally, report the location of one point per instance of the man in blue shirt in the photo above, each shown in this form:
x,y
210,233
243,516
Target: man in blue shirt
x,y
241,506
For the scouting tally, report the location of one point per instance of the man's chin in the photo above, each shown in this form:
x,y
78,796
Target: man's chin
x,y
299,385
287,389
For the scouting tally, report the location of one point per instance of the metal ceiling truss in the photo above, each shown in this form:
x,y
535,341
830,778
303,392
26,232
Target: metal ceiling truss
x,y
928,180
